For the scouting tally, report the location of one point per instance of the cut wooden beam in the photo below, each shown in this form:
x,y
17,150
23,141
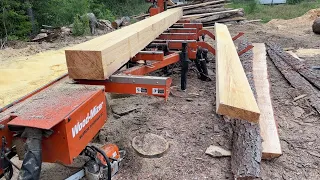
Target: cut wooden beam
x,y
271,147
234,95
99,58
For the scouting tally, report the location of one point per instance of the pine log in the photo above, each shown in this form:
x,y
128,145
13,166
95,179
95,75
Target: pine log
x,y
120,22
196,5
207,10
224,20
220,16
234,95
294,78
99,58
199,16
297,65
246,147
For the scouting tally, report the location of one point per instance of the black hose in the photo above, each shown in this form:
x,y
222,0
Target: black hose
x,y
107,160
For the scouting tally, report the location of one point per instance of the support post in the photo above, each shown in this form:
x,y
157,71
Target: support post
x,y
184,66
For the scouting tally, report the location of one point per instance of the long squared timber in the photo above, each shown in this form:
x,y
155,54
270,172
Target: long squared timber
x,y
271,147
99,58
234,95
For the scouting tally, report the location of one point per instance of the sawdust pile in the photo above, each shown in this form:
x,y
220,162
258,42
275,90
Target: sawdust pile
x,y
296,25
22,75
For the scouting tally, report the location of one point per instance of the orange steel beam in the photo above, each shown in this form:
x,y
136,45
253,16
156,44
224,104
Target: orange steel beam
x,y
145,69
183,30
199,26
178,36
207,46
127,84
183,21
206,32
149,55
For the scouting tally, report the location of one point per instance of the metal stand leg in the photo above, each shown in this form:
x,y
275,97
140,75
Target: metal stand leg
x,y
184,66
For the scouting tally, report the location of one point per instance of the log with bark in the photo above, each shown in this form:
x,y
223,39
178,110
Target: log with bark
x,y
299,66
206,10
124,21
247,142
294,78
221,15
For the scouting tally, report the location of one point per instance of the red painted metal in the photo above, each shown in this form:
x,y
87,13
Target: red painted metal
x,y
152,57
206,32
245,50
145,69
178,36
237,36
207,46
46,109
183,30
183,21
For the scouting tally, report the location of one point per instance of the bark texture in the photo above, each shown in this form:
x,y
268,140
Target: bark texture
x,y
295,79
297,65
247,142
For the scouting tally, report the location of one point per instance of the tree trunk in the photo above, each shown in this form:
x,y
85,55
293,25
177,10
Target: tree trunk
x,y
295,79
207,10
247,142
297,65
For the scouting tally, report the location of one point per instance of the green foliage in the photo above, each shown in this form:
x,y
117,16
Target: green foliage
x,y
80,26
61,13
14,19
294,1
281,11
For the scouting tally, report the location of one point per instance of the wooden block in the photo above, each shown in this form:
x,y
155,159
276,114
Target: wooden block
x,y
271,147
99,58
234,95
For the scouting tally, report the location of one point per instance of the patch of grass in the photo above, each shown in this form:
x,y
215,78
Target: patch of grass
x,y
281,11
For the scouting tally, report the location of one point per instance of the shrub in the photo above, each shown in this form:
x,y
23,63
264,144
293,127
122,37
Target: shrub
x,y
80,26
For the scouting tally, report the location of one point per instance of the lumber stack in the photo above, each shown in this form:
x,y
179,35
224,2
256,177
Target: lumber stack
x,y
99,58
211,11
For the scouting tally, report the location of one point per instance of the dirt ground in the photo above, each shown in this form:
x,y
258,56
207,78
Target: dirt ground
x,y
190,125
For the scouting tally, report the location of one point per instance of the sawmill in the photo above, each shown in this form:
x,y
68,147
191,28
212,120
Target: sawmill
x,y
155,57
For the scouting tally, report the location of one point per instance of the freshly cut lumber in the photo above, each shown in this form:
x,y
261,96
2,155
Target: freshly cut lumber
x,y
271,147
234,95
297,65
308,52
246,146
295,79
196,16
99,58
